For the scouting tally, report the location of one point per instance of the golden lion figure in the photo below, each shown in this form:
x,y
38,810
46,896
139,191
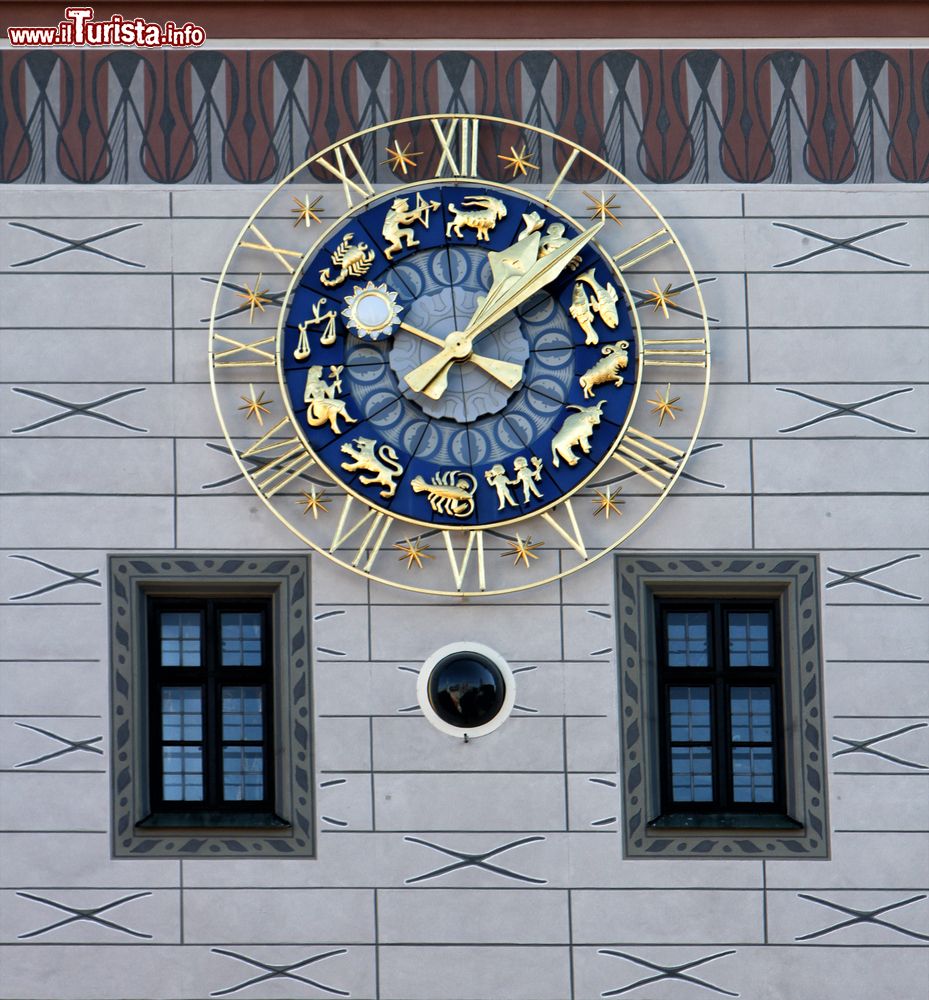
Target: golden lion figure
x,y
381,463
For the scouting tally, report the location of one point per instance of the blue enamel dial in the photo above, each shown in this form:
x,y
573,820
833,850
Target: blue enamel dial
x,y
519,419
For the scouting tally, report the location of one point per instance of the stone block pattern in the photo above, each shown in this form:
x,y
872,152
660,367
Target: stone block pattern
x,y
745,116
445,871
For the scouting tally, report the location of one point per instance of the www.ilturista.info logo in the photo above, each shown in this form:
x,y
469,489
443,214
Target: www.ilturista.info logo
x,y
80,28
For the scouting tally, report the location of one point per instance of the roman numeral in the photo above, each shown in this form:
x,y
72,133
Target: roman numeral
x,y
573,537
266,246
653,459
377,523
679,353
563,174
362,186
287,458
459,568
459,141
631,256
252,353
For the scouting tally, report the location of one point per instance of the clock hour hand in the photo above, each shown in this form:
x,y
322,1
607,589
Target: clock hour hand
x,y
506,372
518,275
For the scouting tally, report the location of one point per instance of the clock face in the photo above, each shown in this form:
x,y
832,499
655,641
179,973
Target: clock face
x,y
432,373
507,429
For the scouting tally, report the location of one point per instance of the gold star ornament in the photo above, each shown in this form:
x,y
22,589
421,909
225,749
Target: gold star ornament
x,y
255,406
606,502
306,211
664,405
661,299
522,550
400,159
602,207
413,552
314,501
519,162
254,297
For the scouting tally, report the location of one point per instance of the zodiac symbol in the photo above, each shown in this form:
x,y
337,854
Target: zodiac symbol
x,y
302,350
615,359
354,262
399,217
604,302
522,476
554,238
382,464
450,493
576,432
478,212
322,406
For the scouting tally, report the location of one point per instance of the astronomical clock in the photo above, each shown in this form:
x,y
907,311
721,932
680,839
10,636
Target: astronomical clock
x,y
451,383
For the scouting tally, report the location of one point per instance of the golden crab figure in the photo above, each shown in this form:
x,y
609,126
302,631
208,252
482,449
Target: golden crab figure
x,y
372,311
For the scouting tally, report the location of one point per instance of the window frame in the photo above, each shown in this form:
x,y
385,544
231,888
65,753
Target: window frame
x,y
211,677
721,678
785,582
142,823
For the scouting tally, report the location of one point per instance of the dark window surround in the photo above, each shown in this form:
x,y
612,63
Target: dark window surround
x,y
789,583
283,827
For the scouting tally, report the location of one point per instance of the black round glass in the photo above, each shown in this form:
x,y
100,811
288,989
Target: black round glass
x,y
466,690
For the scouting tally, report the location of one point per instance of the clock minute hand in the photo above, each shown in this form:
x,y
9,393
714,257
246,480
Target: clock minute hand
x,y
505,294
543,271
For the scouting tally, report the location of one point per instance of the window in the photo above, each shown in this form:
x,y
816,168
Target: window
x,y
211,718
721,706
210,692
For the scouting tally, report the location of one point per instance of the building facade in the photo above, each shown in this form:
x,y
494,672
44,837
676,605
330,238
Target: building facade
x,y
222,770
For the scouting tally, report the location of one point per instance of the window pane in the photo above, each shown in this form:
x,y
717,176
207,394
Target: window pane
x,y
180,639
182,779
181,714
243,774
688,633
750,715
241,635
242,719
752,774
749,639
691,774
690,714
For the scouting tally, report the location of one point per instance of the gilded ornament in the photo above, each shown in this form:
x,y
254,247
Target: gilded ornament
x,y
322,404
400,159
413,552
353,262
254,297
518,162
381,463
450,492
314,500
661,298
306,212
255,406
603,304
614,361
371,312
522,550
602,207
478,212
664,405
327,339
400,217
523,476
606,502
576,432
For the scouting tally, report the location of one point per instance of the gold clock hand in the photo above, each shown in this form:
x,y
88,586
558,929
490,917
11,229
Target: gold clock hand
x,y
509,290
506,372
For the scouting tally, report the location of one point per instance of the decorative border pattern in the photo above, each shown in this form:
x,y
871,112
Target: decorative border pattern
x,y
743,116
794,579
132,578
